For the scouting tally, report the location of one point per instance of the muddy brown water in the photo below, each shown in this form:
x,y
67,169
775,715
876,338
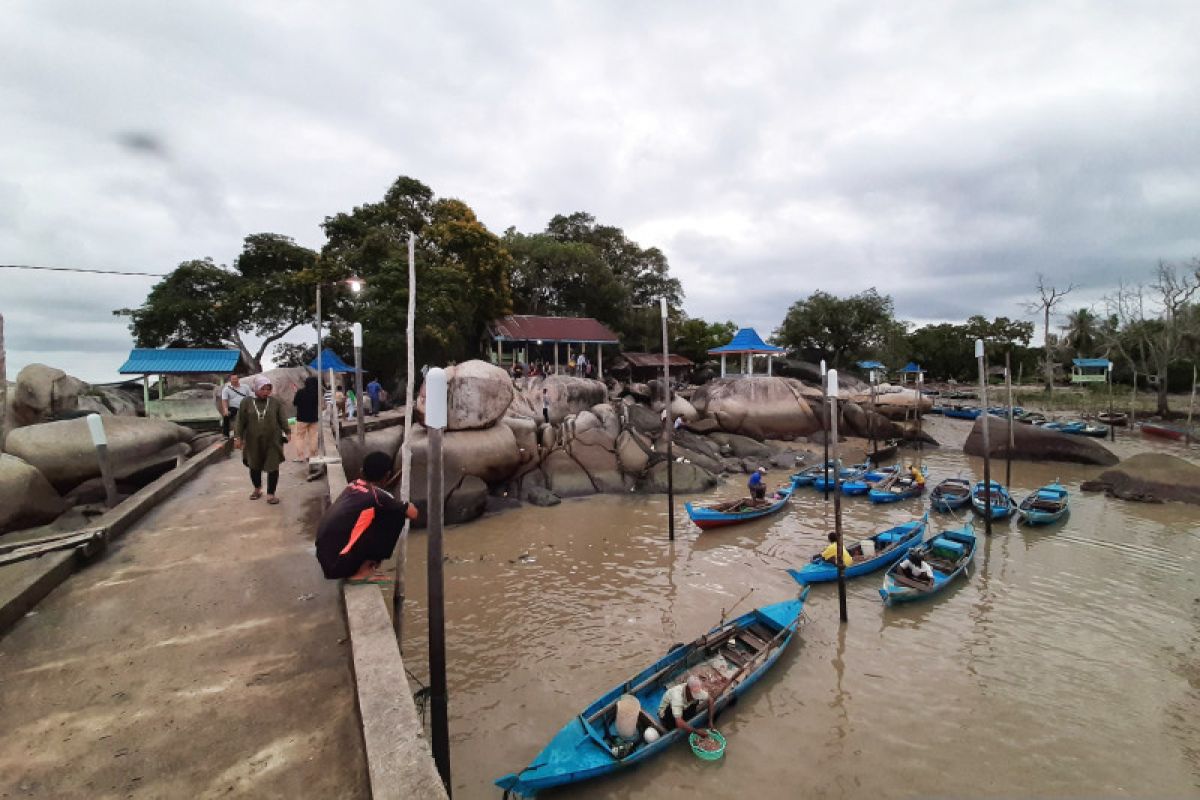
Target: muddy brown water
x,y
1068,664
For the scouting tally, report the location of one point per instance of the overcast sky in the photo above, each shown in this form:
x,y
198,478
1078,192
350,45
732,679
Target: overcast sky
x,y
944,153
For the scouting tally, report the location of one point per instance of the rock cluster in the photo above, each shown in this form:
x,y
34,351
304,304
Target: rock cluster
x,y
1150,477
1034,443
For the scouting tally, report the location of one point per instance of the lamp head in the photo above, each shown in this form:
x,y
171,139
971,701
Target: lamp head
x,y
832,389
355,283
979,348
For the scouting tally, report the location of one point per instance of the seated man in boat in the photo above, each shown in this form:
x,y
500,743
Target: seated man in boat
x,y
917,476
682,702
758,489
914,568
830,552
361,528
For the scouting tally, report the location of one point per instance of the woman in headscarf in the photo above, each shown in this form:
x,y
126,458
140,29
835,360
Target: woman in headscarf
x,y
306,402
261,432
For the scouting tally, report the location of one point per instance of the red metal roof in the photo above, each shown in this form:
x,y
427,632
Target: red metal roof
x,y
552,329
655,360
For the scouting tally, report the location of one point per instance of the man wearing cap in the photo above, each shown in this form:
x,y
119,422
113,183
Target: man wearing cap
x,y
260,433
681,702
758,489
361,528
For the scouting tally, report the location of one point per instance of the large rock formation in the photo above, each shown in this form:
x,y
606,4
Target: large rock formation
x,y
64,454
758,407
43,392
1151,477
685,479
385,440
479,394
567,395
490,454
26,497
1033,443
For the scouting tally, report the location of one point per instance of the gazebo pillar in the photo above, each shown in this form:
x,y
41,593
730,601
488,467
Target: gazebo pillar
x,y
555,356
770,359
722,365
599,361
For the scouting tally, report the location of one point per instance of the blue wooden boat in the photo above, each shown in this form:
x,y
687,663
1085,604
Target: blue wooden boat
x,y
949,554
960,412
1048,504
887,547
806,476
1097,431
743,509
862,484
901,487
729,659
825,479
1001,502
950,495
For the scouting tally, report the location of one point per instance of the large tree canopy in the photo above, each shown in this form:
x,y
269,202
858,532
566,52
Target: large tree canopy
x,y
200,304
841,330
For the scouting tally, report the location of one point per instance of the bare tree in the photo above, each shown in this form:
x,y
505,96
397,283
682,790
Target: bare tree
x,y
1154,323
1049,297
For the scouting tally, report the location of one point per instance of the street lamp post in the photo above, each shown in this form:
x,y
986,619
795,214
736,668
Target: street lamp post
x,y
358,387
825,437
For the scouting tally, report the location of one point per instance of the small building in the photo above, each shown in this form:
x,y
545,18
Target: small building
x,y
179,361
553,341
1090,370
747,344
648,366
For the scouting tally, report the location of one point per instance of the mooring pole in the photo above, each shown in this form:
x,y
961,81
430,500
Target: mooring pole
x,y
825,436
1112,420
435,423
920,400
1009,449
100,440
669,425
874,441
358,388
832,391
1191,407
987,452
399,586
1133,402
320,390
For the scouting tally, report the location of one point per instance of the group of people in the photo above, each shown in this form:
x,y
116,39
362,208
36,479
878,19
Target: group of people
x,y
580,366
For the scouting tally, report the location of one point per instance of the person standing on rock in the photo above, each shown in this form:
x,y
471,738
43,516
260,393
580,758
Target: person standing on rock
x,y
232,395
546,405
260,434
361,528
306,402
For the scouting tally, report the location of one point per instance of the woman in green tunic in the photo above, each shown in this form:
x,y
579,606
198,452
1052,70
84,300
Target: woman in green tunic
x,y
260,434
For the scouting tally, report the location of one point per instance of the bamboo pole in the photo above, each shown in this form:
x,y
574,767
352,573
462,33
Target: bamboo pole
x,y
669,425
406,447
1008,451
987,454
1191,408
1133,402
825,436
832,391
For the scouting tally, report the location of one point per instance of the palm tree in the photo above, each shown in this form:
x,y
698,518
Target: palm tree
x,y
1081,334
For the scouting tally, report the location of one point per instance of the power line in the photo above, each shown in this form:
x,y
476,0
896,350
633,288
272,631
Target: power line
x,y
78,269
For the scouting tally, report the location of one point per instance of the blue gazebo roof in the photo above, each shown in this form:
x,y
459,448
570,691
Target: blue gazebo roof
x,y
178,361
870,365
330,360
1100,363
912,367
746,340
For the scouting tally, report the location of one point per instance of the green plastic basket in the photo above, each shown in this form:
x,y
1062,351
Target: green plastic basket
x,y
707,755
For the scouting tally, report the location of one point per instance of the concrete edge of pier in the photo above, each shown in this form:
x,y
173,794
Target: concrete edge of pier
x,y
36,578
399,760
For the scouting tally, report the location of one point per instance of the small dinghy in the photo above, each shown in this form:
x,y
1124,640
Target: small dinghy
x,y
743,509
1048,504
950,495
999,500
949,554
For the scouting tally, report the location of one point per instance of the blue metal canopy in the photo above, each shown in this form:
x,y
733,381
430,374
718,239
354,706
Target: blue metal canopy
x,y
912,367
330,361
1101,363
747,340
178,361
870,365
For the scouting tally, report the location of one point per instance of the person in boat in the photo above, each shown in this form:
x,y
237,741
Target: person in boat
x,y
758,489
829,554
917,476
915,568
361,528
681,702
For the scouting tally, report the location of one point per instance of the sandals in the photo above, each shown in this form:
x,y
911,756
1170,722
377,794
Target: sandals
x,y
273,500
257,493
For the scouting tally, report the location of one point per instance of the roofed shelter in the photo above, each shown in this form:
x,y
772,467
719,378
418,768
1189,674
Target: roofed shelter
x,y
1090,370
178,361
530,336
332,361
912,370
747,344
645,366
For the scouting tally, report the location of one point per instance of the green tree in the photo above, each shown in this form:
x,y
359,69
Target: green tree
x,y
693,338
841,330
201,304
945,351
1082,333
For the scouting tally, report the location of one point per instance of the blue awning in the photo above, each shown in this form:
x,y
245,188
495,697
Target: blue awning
x,y
178,361
1099,363
330,361
747,340
870,365
912,367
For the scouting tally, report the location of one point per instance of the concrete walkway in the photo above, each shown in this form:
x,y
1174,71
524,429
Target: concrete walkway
x,y
202,656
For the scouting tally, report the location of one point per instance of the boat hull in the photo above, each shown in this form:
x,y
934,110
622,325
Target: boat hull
x,y
910,534
707,518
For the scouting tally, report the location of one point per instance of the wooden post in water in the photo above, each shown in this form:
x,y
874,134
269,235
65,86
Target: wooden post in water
x,y
920,397
406,447
1008,451
825,436
874,412
1191,407
1112,421
435,422
1133,402
669,425
832,391
987,453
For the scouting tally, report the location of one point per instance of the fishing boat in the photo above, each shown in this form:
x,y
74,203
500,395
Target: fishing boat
x,y
729,659
901,485
1165,430
1048,504
949,554
1095,431
806,476
998,498
851,473
874,552
863,483
1032,418
743,509
1119,418
950,494
881,454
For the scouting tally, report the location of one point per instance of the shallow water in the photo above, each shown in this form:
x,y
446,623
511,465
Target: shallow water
x,y
1067,664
